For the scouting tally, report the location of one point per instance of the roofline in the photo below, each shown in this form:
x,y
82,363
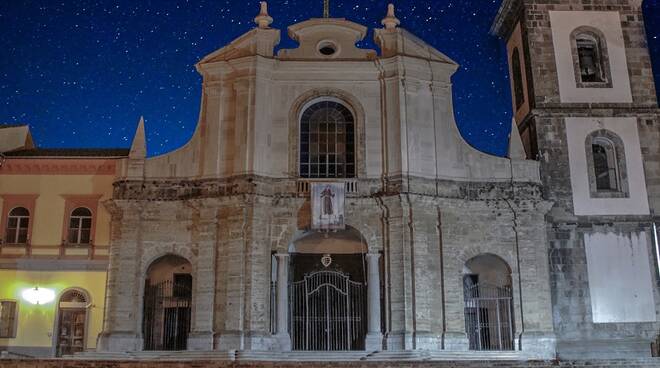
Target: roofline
x,y
503,13
61,153
12,157
7,126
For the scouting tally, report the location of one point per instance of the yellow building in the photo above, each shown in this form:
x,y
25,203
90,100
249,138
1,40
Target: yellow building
x,y
55,235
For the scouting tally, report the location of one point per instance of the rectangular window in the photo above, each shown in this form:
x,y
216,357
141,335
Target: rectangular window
x,y
182,285
7,319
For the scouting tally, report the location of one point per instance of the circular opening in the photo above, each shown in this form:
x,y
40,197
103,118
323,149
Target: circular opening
x,y
327,48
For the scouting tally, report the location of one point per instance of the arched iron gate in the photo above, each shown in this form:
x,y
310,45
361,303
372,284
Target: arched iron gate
x,y
328,312
489,317
166,320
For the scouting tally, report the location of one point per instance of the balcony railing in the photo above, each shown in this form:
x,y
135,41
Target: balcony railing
x,y
303,186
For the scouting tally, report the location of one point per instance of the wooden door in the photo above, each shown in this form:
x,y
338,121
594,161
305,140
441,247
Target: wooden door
x,y
71,331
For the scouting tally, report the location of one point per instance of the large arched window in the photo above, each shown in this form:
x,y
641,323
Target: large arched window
x,y
80,226
518,91
327,141
18,223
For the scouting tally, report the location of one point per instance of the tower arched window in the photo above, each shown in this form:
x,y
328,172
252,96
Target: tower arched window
x,y
18,222
80,226
590,57
605,164
327,141
517,78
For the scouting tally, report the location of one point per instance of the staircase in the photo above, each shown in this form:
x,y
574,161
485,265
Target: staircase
x,y
321,359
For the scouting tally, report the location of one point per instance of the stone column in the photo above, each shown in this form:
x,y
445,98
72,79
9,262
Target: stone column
x,y
374,340
282,335
121,318
204,235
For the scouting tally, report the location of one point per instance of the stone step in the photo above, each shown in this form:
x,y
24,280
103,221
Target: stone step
x,y
470,359
214,360
127,363
307,356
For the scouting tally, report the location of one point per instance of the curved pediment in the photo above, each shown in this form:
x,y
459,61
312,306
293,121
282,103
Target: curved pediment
x,y
327,38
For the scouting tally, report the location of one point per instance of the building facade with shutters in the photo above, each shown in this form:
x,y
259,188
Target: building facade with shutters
x,y
327,201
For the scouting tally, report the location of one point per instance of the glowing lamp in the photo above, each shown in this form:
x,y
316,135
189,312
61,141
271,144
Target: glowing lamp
x,y
38,295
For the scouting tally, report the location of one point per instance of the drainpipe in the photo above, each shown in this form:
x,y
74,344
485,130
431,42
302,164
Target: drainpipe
x,y
517,240
656,245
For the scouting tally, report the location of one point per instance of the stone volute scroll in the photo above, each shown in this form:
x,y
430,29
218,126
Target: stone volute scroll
x,y
263,20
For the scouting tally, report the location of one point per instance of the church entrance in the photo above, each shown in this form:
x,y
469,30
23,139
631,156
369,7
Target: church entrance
x,y
327,279
167,304
328,302
488,300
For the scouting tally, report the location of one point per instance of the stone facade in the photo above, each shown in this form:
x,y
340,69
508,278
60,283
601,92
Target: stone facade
x,y
423,201
550,109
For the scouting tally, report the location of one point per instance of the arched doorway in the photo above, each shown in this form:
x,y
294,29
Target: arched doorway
x,y
328,293
488,299
167,304
72,322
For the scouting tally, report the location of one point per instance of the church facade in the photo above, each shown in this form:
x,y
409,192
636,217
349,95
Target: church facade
x,y
422,209
327,201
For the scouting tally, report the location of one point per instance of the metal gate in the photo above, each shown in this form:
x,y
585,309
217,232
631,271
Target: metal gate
x,y
328,312
489,317
166,322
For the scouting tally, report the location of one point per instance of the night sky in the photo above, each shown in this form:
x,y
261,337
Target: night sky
x,y
82,72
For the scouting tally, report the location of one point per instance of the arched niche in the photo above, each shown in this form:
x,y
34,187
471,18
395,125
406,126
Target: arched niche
x,y
167,303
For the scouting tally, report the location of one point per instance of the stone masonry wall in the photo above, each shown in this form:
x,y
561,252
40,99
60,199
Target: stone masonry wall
x,y
568,268
424,239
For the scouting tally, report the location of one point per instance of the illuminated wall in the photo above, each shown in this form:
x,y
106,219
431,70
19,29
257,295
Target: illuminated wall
x,y
36,323
51,188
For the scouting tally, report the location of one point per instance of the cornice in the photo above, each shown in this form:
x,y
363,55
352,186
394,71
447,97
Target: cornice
x,y
50,166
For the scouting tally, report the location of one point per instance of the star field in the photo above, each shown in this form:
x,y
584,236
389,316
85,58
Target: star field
x,y
82,72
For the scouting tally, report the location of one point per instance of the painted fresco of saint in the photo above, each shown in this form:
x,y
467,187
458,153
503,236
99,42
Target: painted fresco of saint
x,y
326,200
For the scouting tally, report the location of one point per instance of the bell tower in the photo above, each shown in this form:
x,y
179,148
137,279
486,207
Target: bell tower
x,y
585,105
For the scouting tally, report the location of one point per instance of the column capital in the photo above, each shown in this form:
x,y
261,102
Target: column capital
x,y
282,255
373,256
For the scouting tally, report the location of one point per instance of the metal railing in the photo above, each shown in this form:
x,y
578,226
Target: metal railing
x,y
303,186
166,322
489,317
327,312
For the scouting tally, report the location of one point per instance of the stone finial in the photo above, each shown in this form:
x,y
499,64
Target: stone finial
x,y
263,20
516,148
139,145
390,21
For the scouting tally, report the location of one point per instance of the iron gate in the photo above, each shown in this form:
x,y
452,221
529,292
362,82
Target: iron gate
x,y
489,317
328,312
166,315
